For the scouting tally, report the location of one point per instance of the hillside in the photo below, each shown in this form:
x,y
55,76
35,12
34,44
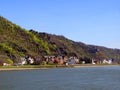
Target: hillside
x,y
16,42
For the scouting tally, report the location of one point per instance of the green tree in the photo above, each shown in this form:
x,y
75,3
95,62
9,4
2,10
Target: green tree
x,y
9,61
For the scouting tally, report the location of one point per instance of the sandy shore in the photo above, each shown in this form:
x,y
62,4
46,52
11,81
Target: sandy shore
x,y
61,66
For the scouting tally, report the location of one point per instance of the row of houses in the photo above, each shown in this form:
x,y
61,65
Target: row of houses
x,y
104,61
74,60
49,60
60,60
25,61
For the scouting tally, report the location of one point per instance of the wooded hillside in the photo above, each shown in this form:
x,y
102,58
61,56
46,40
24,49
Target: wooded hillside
x,y
16,42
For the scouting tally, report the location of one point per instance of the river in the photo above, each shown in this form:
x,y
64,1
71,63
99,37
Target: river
x,y
88,78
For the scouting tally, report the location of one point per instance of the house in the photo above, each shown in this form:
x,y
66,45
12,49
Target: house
x,y
6,64
23,61
55,59
94,61
60,60
49,59
110,61
30,60
71,61
105,61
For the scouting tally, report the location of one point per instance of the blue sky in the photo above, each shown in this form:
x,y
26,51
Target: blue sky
x,y
94,22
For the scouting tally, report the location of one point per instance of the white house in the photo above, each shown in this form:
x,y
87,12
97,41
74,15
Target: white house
x,y
22,61
110,61
6,64
31,60
107,61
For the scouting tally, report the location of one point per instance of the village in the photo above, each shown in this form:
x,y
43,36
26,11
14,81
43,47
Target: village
x,y
58,60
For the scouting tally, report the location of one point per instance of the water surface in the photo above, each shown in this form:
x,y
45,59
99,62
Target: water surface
x,y
93,78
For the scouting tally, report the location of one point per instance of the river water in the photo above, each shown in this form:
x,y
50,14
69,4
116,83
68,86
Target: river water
x,y
92,78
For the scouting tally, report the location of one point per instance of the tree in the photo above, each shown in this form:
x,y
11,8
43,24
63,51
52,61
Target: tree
x,y
100,56
9,61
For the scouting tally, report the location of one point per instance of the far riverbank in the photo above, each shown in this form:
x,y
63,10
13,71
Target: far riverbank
x,y
37,67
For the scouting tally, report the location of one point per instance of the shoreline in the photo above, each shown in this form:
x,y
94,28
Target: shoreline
x,y
95,65
57,66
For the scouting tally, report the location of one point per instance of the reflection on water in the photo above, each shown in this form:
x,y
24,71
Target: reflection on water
x,y
95,78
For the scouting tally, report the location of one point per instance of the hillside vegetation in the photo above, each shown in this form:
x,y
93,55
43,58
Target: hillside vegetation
x,y
16,42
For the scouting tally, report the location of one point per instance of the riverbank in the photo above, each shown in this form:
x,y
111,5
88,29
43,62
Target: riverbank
x,y
26,67
35,67
95,65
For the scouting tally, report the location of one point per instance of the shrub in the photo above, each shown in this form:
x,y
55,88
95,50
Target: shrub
x,y
9,61
7,48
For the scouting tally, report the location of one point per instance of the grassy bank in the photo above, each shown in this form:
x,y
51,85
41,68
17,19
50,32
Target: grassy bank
x,y
29,67
26,67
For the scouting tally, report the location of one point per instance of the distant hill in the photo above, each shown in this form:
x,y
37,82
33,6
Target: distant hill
x,y
16,42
